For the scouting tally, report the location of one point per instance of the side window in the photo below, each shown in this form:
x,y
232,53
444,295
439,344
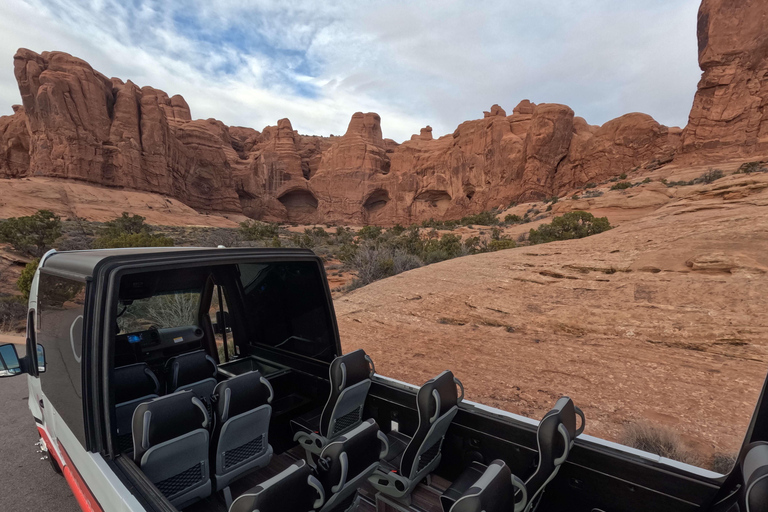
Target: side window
x,y
165,310
61,303
286,308
222,325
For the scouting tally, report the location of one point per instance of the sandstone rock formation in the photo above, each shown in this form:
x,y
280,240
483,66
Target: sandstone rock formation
x,y
78,124
729,116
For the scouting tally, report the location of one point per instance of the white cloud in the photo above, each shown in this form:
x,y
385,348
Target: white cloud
x,y
438,62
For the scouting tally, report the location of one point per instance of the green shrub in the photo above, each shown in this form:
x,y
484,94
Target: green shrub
x,y
502,243
622,185
253,230
710,176
750,167
132,240
569,226
24,283
591,184
13,312
369,233
33,235
397,229
623,176
646,180
129,231
486,218
513,219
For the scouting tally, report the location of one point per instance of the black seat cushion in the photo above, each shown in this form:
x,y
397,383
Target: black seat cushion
x,y
429,409
246,392
356,369
133,382
189,368
492,492
288,491
169,417
362,448
550,441
462,484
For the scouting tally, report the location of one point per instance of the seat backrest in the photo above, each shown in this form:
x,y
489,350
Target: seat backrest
x,y
345,463
494,491
242,412
437,404
754,468
555,435
293,490
194,371
133,384
170,444
350,376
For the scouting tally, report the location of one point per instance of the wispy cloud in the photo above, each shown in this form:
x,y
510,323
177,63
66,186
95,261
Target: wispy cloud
x,y
437,62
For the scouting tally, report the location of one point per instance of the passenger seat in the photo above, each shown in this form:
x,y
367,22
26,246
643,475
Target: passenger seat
x,y
754,468
350,378
134,384
556,434
194,371
170,445
240,440
494,491
437,404
296,489
347,462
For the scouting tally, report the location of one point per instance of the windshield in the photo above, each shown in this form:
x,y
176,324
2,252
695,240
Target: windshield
x,y
174,309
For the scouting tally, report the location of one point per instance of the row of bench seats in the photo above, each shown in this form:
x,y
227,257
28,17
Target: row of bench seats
x,y
203,434
171,441
406,460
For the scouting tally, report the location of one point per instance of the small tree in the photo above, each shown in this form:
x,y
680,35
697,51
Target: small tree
x,y
24,283
129,231
571,225
32,235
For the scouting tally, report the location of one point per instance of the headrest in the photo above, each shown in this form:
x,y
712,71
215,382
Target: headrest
x,y
357,450
349,369
754,468
165,418
564,412
442,390
293,490
134,381
190,368
241,394
494,491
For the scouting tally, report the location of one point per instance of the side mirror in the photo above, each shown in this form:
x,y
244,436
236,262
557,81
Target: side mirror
x,y
40,359
10,366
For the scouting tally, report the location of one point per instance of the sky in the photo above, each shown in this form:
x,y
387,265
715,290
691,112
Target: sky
x,y
438,63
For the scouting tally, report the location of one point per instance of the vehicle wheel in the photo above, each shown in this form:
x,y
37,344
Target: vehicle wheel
x,y
51,459
54,464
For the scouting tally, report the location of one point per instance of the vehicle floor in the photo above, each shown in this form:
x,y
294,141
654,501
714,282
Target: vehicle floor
x,y
425,498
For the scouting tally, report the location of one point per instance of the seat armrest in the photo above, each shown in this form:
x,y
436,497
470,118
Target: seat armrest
x,y
312,442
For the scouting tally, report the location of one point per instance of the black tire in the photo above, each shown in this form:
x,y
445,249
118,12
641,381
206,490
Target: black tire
x,y
54,464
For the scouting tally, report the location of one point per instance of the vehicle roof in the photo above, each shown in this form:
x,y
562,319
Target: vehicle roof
x,y
83,263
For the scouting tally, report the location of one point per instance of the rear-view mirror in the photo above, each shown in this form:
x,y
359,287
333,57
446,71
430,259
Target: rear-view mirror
x,y
9,361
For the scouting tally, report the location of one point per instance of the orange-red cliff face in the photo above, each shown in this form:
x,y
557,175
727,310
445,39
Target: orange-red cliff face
x,y
76,123
729,116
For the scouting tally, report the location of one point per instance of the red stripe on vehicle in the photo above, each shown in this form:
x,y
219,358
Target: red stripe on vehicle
x,y
83,494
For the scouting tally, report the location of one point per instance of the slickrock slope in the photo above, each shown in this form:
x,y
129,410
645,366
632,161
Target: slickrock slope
x,y
660,319
730,110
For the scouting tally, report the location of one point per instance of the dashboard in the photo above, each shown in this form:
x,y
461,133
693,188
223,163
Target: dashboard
x,y
154,343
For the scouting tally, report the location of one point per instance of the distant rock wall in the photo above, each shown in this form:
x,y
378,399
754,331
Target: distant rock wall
x,y
729,117
76,123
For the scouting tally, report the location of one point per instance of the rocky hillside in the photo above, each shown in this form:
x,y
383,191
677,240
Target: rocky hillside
x,y
658,320
76,123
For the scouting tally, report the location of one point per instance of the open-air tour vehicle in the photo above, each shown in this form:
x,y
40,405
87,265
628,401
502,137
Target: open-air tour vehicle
x,y
213,379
